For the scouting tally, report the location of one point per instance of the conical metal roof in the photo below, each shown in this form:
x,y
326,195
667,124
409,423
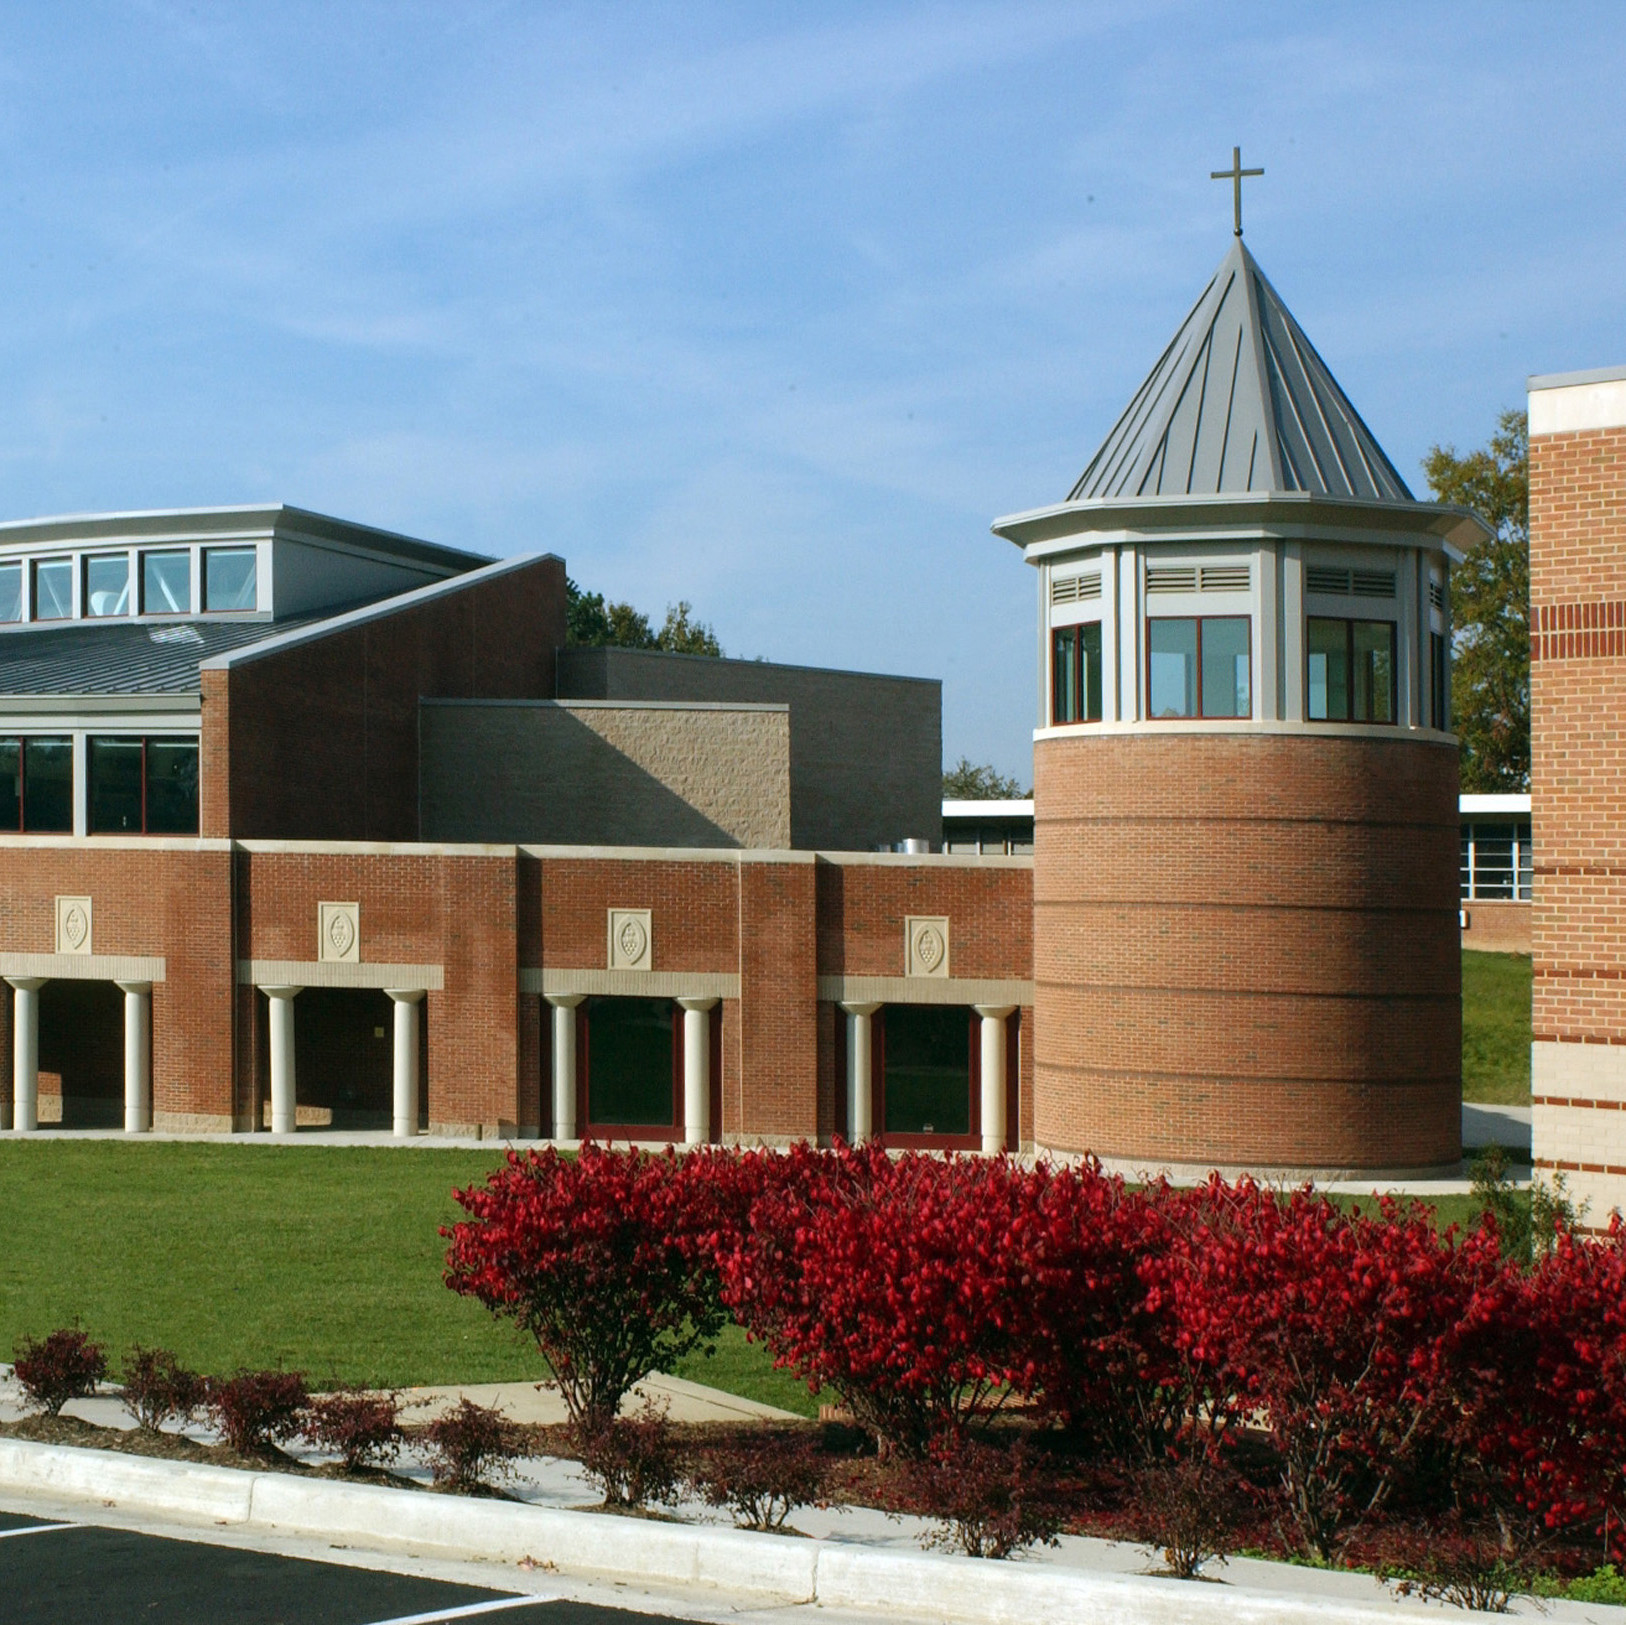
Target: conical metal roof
x,y
1240,402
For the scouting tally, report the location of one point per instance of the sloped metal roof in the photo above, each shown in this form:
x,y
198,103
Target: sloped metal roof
x,y
1240,402
98,657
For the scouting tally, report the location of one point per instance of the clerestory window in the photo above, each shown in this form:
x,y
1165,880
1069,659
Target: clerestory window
x,y
1351,670
1199,666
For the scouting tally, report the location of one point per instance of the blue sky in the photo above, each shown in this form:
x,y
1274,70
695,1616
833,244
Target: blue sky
x,y
771,307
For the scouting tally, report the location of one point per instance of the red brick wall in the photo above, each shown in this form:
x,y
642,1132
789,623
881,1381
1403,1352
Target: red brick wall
x,y
147,899
319,741
428,907
1246,950
1497,926
1578,698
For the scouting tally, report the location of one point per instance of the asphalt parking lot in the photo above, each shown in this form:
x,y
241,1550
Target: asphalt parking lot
x,y
55,1573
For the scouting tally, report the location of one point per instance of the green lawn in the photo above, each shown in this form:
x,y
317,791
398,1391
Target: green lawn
x,y
1496,1028
321,1258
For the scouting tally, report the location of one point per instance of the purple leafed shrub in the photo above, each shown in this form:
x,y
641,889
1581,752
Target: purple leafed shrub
x,y
1189,1507
256,1410
633,1460
65,1365
157,1388
761,1478
472,1446
989,1501
362,1428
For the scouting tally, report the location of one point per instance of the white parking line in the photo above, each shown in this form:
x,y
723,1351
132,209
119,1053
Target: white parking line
x,y
466,1611
36,1529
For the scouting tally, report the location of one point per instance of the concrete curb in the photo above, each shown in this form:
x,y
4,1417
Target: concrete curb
x,y
591,1545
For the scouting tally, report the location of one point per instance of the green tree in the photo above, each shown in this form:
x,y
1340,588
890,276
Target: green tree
x,y
683,635
966,781
590,622
1490,606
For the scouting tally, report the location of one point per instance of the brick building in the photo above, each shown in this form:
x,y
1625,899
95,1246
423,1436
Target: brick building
x,y
310,824
1246,938
266,777
1578,788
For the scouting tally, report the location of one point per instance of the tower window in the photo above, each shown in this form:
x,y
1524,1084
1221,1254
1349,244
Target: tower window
x,y
1075,673
1440,687
1351,670
1199,666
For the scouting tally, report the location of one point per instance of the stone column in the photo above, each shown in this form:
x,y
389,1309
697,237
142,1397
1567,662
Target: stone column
x,y
25,1039
860,1050
137,1050
281,1001
696,1069
564,1063
405,1112
993,1075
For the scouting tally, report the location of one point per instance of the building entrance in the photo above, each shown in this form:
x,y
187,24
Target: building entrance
x,y
81,1055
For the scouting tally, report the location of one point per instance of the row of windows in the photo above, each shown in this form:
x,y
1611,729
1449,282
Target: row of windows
x,y
925,1068
1496,862
161,579
135,786
1202,666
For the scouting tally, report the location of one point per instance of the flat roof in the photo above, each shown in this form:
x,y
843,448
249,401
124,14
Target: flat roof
x,y
1563,380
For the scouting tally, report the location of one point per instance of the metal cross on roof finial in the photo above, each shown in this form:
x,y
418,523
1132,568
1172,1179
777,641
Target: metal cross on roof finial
x,y
1234,175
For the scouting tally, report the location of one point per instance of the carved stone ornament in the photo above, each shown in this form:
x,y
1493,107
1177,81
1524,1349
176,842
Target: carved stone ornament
x,y
73,925
926,945
631,945
338,933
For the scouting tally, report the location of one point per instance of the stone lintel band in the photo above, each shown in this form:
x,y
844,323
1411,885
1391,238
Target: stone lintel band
x,y
263,973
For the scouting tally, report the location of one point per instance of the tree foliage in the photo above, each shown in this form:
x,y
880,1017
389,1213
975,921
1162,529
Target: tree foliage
x,y
590,622
969,781
1490,606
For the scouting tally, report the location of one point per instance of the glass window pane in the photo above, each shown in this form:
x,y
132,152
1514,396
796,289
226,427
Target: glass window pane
x,y
1374,662
11,592
1465,871
48,786
230,578
172,787
115,786
1172,652
1090,635
166,583
629,1063
1064,699
1439,686
53,589
11,784
1526,863
1227,667
107,585
1327,699
1493,860
927,1069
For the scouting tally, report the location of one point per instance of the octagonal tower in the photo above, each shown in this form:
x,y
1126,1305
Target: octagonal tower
x,y
1246,947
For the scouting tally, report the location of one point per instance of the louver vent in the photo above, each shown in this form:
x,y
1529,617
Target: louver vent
x,y
1320,579
1225,577
1075,589
1374,583
1171,578
1436,594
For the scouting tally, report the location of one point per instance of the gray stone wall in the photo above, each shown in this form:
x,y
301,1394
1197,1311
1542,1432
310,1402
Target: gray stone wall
x,y
866,751
559,773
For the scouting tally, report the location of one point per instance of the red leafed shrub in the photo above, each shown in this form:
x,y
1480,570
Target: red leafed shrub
x,y
1546,1422
891,1281
157,1387
606,1259
256,1410
473,1446
1340,1329
362,1428
61,1366
763,1477
990,1501
1102,1355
